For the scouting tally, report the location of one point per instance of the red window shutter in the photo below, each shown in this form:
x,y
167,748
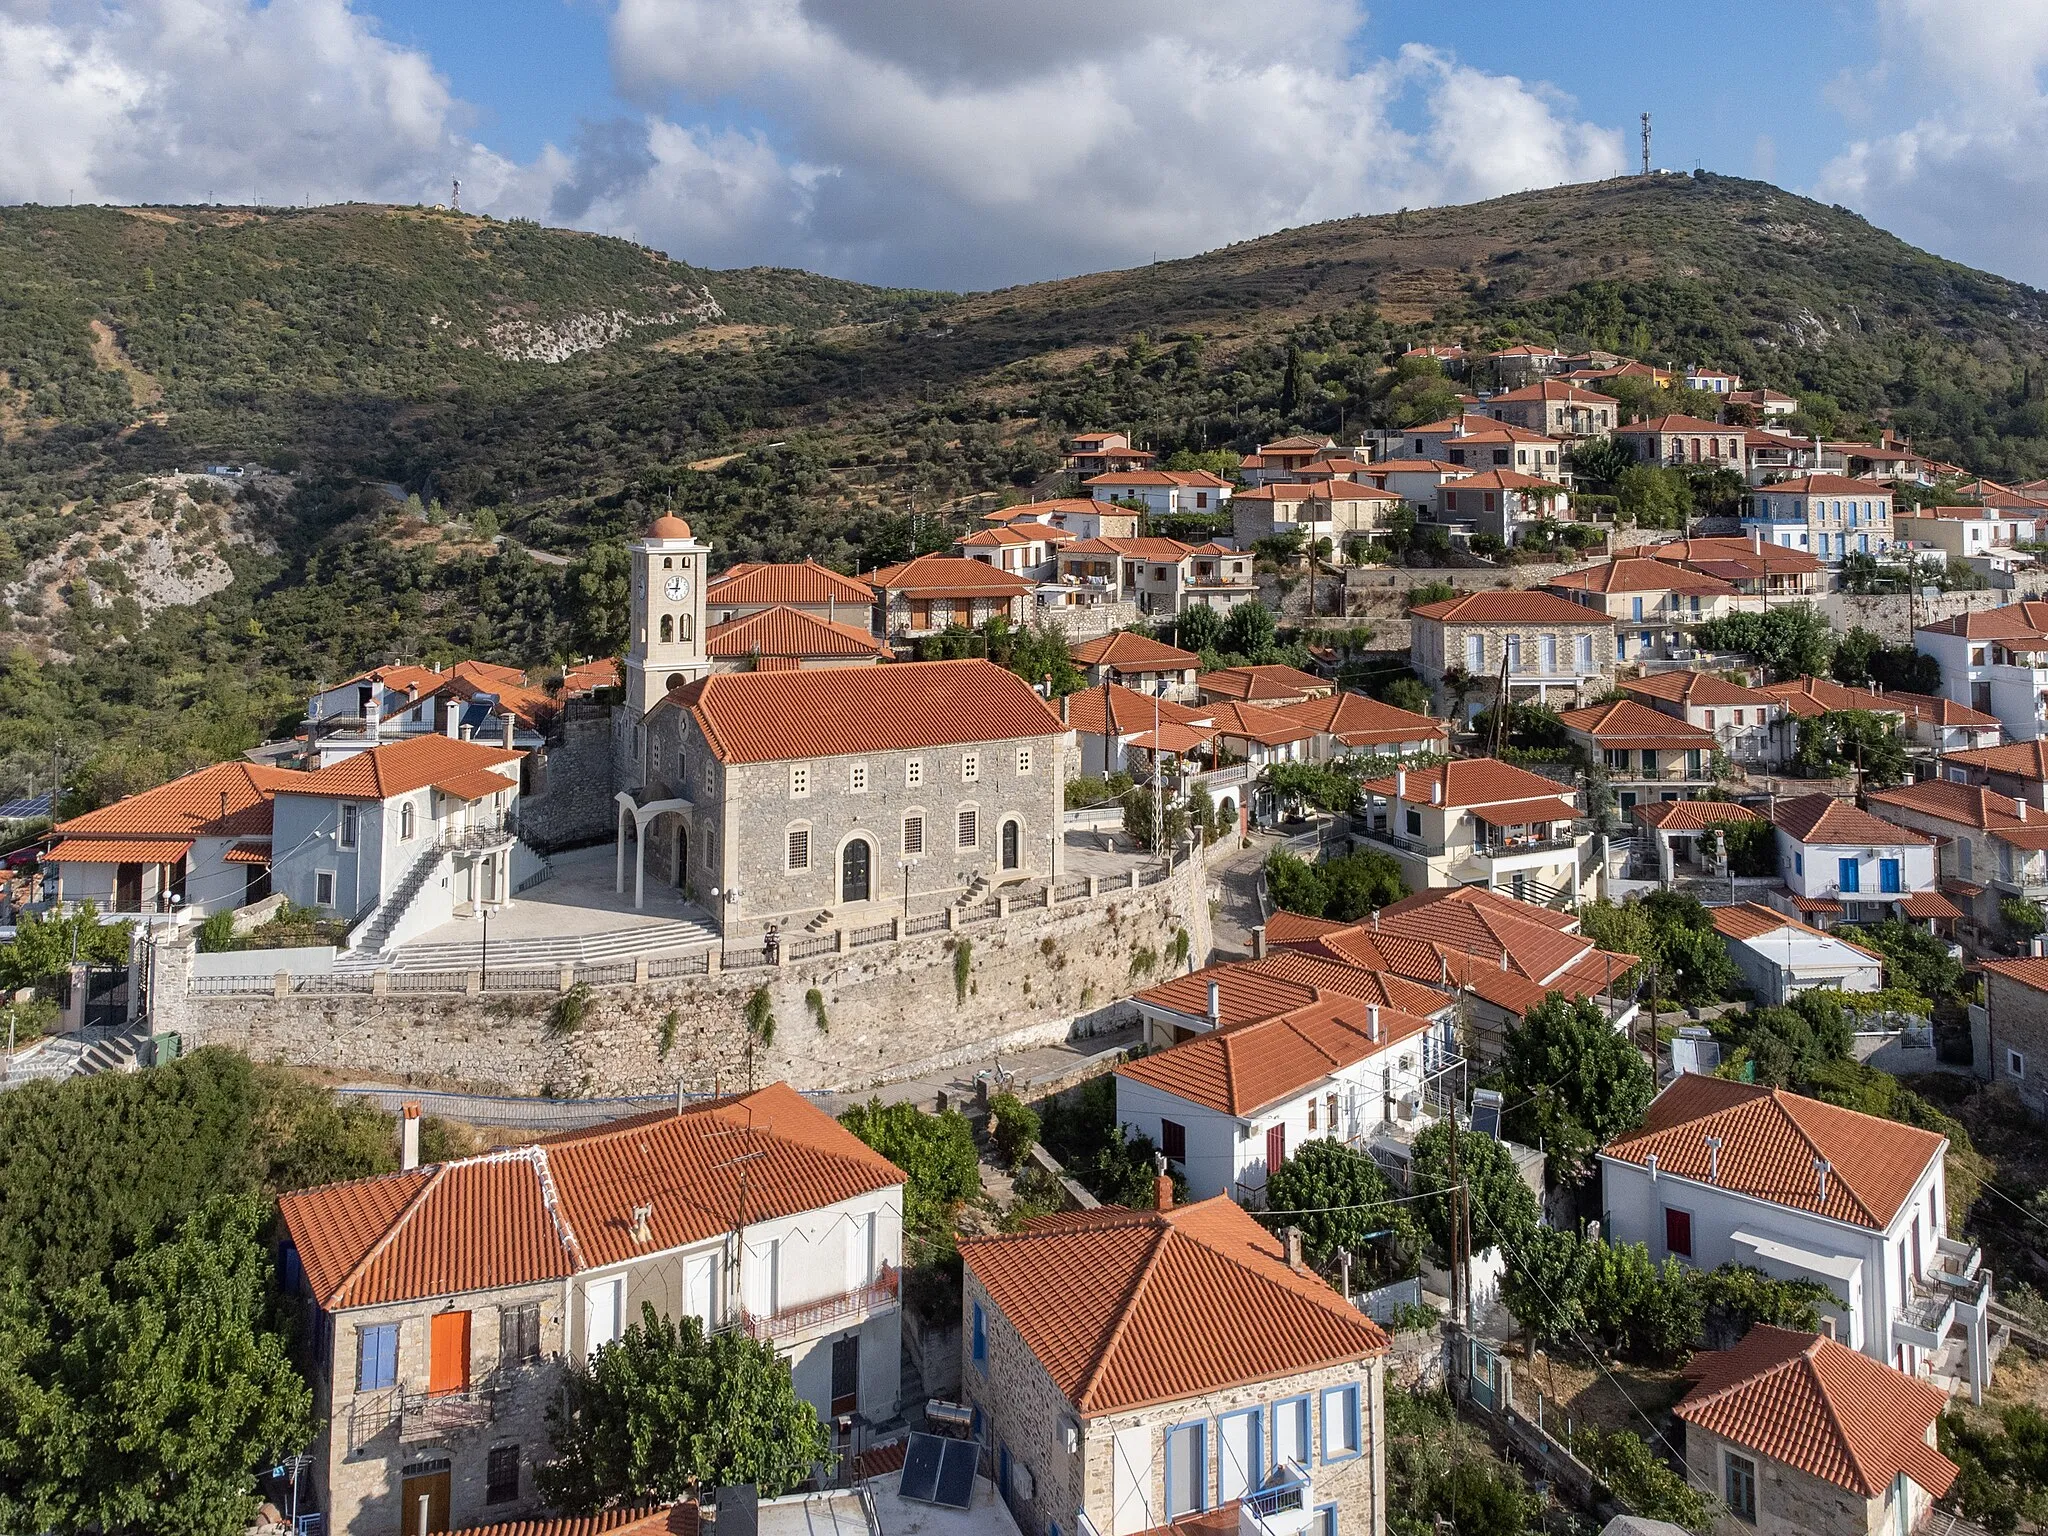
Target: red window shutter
x,y
1678,1233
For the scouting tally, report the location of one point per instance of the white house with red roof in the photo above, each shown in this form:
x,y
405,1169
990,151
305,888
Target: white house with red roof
x,y
1096,453
1796,1435
1082,516
1780,957
442,1302
1990,846
1647,754
1138,662
1738,718
1164,492
1132,1368
1722,1172
1024,548
1347,724
1654,603
1839,862
1995,660
1228,1106
1478,821
1161,575
1503,503
1282,460
1552,650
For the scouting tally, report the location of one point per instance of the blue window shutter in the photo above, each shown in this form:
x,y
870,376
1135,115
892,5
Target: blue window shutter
x,y
1849,878
980,1335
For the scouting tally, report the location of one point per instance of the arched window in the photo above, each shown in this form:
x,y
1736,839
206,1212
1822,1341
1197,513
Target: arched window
x,y
668,629
667,563
405,821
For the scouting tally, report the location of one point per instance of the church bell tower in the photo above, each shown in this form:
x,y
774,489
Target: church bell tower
x,y
665,647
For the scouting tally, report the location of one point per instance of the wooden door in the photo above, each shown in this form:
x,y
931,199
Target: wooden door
x,y
423,1505
128,888
448,1354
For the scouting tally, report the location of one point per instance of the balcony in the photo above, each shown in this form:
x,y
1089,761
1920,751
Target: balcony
x,y
1925,1318
839,1311
1507,847
438,1415
1283,1509
484,838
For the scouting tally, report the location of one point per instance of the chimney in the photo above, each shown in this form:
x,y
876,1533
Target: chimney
x,y
412,691
373,724
223,804
1259,942
408,1136
508,728
1215,1004
1651,1161
1162,1191
1372,1021
468,732
643,1218
451,718
1713,1159
1503,960
1822,1168
1756,539
1436,792
1400,783
1293,1237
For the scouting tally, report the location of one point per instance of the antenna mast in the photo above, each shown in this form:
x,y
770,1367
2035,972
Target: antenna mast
x,y
455,195
1646,143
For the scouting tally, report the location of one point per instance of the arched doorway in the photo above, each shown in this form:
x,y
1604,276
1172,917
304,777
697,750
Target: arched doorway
x,y
682,854
1013,838
855,872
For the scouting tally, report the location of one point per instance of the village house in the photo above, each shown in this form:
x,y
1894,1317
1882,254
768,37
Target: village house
x,y
1348,724
1995,660
1427,441
1138,663
1227,1106
1795,1435
1022,548
1772,456
1807,698
1419,482
1654,603
815,589
1690,832
1556,408
1162,576
1523,364
200,843
1335,467
2010,1042
1763,404
1340,511
1969,533
1269,683
1281,462
1712,380
1255,736
1992,847
1164,492
443,1302
2018,769
1475,821
1130,1368
1780,957
1677,441
1646,753
1104,453
1552,650
934,593
1451,358
1755,569
791,637
1498,445
1081,516
775,796
1109,721
471,699
1240,992
1722,1172
1839,862
1502,503
1811,513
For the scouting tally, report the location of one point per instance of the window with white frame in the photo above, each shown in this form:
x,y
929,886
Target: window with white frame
x,y
970,830
405,818
857,779
970,767
1023,759
323,887
799,780
2015,1063
913,773
349,817
797,849
913,833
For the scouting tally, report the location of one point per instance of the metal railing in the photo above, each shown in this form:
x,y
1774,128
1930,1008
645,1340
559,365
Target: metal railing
x,y
435,1415
929,922
476,838
874,933
859,1302
664,966
809,945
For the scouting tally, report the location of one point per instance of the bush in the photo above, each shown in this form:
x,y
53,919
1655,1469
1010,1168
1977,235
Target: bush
x,y
2023,919
28,1020
1641,1479
1342,889
217,933
567,1014
1344,1196
936,1154
1013,1128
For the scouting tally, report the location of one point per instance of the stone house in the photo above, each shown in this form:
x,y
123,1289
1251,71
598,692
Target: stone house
x,y
1556,408
1140,664
1082,516
1795,1435
1685,440
1647,754
2014,1051
1227,1107
2018,770
441,1302
1725,1172
1833,516
1654,603
1738,718
1338,510
1989,846
1554,651
1842,863
817,590
935,593
1521,364
775,796
1130,1368
1486,445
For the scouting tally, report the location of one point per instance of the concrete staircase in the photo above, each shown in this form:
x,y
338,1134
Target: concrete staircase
x,y
369,942
569,949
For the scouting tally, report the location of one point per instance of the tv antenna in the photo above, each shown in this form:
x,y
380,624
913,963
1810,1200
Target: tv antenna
x,y
1646,143
455,195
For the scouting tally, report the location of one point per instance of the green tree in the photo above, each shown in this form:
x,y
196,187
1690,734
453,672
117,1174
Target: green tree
x,y
1198,628
1914,958
1248,630
1574,1081
664,1412
1652,497
1015,1128
1793,641
141,1400
1846,740
1359,883
1502,1207
1601,461
1295,884
602,602
1409,693
936,1153
1342,1196
1544,1288
45,947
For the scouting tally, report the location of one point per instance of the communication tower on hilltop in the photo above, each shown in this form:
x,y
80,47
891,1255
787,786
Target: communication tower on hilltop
x,y
1646,143
455,196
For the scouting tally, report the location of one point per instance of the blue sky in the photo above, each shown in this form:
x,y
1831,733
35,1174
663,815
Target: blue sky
x,y
972,143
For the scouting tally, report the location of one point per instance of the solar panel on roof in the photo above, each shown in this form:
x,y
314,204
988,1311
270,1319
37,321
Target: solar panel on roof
x,y
920,1479
956,1474
28,809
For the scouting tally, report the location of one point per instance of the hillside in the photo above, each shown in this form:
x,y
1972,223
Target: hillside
x,y
569,383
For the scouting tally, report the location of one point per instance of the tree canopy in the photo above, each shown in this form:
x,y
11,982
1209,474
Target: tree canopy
x,y
1503,1209
1341,1197
935,1152
1573,1081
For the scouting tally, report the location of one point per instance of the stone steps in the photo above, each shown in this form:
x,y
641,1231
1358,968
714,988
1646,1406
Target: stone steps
x,y
519,954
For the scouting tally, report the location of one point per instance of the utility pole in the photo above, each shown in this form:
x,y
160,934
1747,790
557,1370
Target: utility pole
x,y
1646,143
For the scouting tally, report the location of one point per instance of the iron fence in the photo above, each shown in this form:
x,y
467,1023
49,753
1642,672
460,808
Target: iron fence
x,y
874,933
929,922
698,964
811,944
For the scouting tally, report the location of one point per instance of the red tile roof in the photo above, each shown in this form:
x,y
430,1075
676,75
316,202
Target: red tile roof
x,y
1811,1403
1263,684
1718,556
1824,819
1826,485
1357,721
1251,722
806,584
1509,608
1637,574
1675,423
549,1211
636,1520
1505,480
1186,479
1922,905
1692,815
1551,389
1769,1141
1163,551
2029,971
1322,490
194,805
1134,653
789,632
1624,723
2021,759
1125,1309
1970,805
1810,696
1288,927
2026,621
949,576
1111,707
1697,690
1749,920
765,717
400,767
133,850
1241,1071
1467,781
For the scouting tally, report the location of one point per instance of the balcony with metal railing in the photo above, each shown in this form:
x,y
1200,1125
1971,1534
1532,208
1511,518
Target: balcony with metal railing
x,y
479,837
848,1307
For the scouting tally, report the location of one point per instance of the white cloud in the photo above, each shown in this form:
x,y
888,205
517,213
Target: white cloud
x,y
925,141
1967,175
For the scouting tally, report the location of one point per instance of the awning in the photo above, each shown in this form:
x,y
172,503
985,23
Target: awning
x,y
1525,812
1929,904
1963,888
474,785
1816,904
104,850
247,853
1170,737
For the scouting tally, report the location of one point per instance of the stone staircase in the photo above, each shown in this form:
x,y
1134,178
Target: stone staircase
x,y
568,949
819,923
975,894
82,1054
368,945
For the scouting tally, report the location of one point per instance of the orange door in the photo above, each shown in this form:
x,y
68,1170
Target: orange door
x,y
448,1357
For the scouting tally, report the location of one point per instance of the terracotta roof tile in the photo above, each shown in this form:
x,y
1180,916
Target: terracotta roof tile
x,y
1826,485
1625,723
2028,971
1111,706
1749,920
115,850
247,853
1635,574
949,576
637,1520
1824,819
1252,722
1811,1403
805,585
548,1211
1290,927
1929,904
1692,815
2021,759
783,631
400,767
1510,608
762,717
1675,423
1970,805
1186,479
1357,721
1769,1140
1699,690
1130,1308
1244,994
1810,696
2025,621
1134,653
191,805
1262,684
1468,781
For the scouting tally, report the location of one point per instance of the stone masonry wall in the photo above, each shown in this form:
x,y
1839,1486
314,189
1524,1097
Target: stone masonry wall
x,y
574,803
891,1011
1892,615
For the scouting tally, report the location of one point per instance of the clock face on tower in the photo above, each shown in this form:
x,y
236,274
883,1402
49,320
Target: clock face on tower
x,y
678,588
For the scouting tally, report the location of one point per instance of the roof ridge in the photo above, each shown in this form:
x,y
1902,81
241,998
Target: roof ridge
x,y
1778,1098
551,1202
390,1232
1805,1358
1165,1230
